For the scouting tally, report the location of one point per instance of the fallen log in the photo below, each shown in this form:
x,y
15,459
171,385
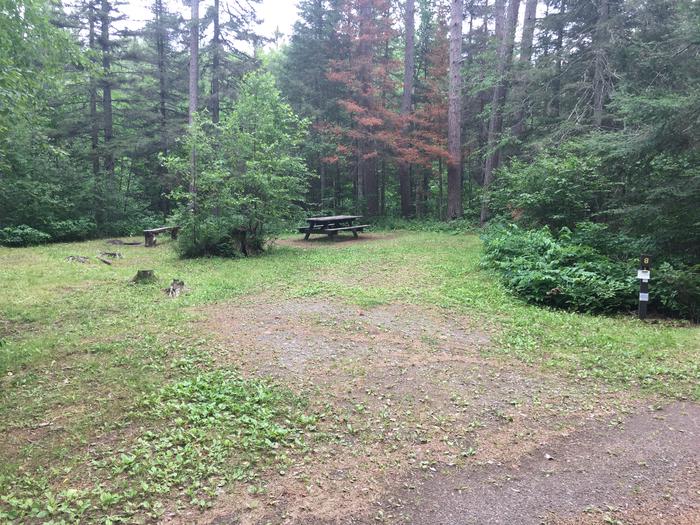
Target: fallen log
x,y
175,289
119,242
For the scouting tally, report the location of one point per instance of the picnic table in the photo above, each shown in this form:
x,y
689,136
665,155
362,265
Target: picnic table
x,y
331,225
150,235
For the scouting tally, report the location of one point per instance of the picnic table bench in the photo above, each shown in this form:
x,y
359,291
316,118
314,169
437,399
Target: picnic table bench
x,y
150,235
331,225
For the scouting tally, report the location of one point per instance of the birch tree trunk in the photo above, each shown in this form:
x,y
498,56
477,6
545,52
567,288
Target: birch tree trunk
x,y
454,114
407,102
505,59
161,42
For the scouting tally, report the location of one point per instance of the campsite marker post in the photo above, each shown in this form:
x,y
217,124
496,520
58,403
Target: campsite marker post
x,y
644,274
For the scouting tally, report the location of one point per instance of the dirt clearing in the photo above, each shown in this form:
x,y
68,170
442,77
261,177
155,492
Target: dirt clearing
x,y
421,424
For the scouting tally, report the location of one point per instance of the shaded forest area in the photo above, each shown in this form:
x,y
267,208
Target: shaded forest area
x,y
570,128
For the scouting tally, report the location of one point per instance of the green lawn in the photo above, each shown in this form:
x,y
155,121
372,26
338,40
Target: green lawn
x,y
115,410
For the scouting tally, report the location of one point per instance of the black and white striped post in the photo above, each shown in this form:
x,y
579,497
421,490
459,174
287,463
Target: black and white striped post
x,y
644,274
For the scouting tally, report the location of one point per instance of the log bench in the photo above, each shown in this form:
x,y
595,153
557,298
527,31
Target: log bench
x,y
150,235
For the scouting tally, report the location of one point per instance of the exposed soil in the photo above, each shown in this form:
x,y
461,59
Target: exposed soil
x,y
421,424
642,471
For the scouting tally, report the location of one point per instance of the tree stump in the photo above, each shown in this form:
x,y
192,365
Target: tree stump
x,y
144,276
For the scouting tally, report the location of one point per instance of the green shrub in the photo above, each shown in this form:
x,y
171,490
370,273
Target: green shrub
x,y
424,225
250,177
72,230
678,290
212,236
557,273
615,245
552,190
22,235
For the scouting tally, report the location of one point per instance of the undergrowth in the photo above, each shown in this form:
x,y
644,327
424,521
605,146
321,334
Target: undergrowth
x,y
203,433
113,410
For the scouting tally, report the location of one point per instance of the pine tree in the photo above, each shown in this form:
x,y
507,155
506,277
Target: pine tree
x,y
366,75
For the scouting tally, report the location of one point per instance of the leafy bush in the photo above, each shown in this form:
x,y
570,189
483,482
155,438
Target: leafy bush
x,y
552,272
562,272
22,235
615,245
250,176
678,290
220,236
551,191
648,195
72,230
424,225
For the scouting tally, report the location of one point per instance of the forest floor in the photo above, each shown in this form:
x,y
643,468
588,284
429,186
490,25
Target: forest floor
x,y
385,380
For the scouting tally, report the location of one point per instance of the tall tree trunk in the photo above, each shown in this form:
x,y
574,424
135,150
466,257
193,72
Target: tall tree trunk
x,y
372,187
161,36
525,58
500,22
193,88
194,60
368,179
94,124
161,39
505,59
215,66
454,118
107,118
407,102
555,106
600,75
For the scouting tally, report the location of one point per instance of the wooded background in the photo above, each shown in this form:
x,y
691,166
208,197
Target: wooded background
x,y
548,112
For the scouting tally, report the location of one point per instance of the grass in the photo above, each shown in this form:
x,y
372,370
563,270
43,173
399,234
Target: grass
x,y
114,411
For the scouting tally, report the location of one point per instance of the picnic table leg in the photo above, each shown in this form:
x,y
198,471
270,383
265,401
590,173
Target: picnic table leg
x,y
150,240
308,232
354,232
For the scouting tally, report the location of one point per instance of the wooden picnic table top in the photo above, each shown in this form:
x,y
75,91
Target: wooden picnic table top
x,y
334,218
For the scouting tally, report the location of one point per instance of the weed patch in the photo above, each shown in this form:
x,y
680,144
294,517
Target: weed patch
x,y
205,432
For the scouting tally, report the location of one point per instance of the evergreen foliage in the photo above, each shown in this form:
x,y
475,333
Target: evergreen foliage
x,y
250,175
592,116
